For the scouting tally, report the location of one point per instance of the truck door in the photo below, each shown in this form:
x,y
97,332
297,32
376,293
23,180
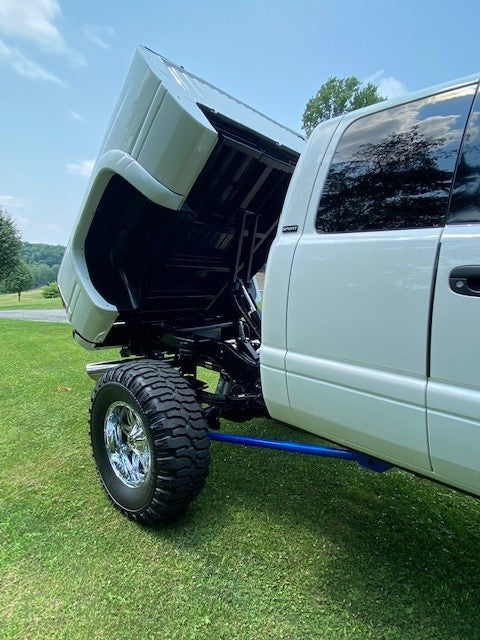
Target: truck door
x,y
360,289
454,386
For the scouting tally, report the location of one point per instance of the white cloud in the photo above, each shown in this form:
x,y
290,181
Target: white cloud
x,y
32,226
388,86
33,231
98,35
24,223
27,226
25,67
33,20
76,116
9,201
82,168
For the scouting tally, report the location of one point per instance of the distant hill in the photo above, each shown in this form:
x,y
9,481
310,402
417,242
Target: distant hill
x,y
44,261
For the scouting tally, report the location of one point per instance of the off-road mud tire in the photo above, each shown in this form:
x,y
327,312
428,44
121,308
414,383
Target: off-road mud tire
x,y
176,431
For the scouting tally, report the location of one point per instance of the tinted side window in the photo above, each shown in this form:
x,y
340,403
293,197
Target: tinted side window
x,y
465,206
393,169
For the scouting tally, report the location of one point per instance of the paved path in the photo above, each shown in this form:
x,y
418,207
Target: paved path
x,y
41,315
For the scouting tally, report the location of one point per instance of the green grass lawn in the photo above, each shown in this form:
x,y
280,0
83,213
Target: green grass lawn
x,y
29,300
278,546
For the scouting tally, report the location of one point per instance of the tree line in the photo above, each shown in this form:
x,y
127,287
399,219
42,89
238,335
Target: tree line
x,y
25,265
43,261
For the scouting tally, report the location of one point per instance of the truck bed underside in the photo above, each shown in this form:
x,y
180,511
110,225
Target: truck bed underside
x,y
166,270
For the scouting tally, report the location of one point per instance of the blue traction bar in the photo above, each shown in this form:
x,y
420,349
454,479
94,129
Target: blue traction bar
x,y
297,447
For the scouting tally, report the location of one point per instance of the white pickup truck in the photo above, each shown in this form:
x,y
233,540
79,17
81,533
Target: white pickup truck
x,y
368,329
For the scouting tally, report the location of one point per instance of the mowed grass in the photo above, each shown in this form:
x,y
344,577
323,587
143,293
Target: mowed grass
x,y
28,300
277,546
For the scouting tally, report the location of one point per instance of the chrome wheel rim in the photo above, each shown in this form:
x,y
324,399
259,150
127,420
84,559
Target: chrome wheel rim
x,y
126,444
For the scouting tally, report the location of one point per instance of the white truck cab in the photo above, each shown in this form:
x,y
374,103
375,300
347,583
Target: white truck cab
x,y
372,294
367,335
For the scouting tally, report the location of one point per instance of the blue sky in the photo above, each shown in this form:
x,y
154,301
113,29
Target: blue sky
x,y
62,65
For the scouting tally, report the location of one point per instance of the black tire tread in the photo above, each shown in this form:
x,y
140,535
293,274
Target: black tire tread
x,y
179,430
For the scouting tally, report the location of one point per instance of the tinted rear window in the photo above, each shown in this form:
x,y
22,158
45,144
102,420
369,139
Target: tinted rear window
x,y
393,169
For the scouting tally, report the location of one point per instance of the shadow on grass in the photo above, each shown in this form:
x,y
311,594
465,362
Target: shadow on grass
x,y
401,553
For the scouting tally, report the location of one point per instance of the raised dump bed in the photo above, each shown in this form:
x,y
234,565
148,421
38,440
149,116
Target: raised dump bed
x,y
183,203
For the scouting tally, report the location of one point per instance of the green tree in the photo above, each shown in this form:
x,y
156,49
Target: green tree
x,y
43,260
19,279
337,96
51,290
10,243
42,273
39,253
